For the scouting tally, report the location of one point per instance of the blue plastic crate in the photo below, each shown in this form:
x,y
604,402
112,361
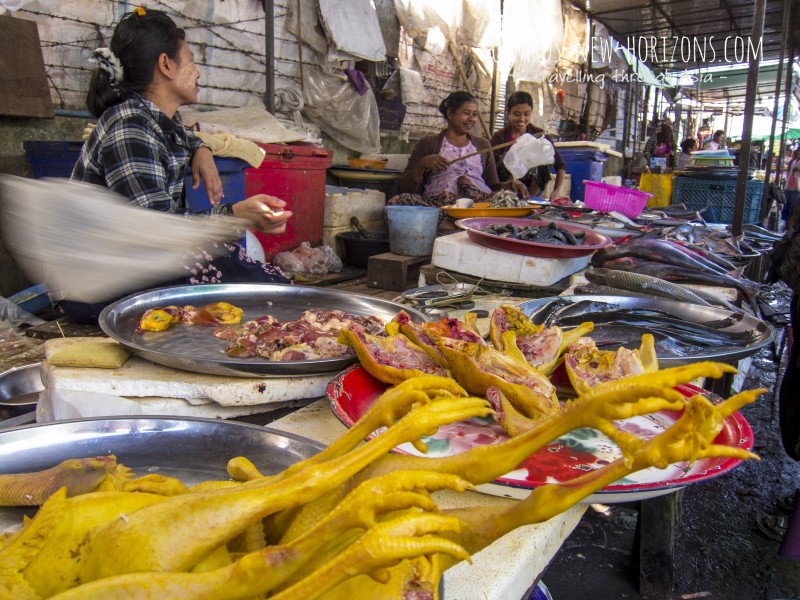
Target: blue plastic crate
x,y
719,196
231,172
52,159
34,299
582,165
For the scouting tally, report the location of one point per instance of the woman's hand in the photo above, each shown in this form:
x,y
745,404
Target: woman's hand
x,y
205,169
265,212
520,189
434,162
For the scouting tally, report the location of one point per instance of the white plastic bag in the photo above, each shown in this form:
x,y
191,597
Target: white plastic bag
x,y
341,112
528,152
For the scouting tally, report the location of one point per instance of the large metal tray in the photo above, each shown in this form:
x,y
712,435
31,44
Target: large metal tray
x,y
190,449
193,348
541,310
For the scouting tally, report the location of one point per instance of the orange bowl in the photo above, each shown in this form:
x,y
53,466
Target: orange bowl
x,y
365,163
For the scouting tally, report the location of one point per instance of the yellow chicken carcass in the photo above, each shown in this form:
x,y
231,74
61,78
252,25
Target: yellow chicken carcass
x,y
588,366
425,335
78,475
390,359
541,346
477,367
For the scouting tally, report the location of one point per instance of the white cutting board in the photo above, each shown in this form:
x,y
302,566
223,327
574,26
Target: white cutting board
x,y
456,252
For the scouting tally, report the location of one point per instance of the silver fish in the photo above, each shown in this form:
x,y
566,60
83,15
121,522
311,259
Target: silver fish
x,y
637,283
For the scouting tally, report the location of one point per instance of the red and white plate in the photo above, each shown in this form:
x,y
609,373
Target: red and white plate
x,y
354,390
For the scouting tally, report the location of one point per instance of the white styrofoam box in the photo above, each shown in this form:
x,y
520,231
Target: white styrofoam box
x,y
458,253
329,233
367,205
613,180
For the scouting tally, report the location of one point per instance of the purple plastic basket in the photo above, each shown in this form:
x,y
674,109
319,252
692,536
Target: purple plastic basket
x,y
606,197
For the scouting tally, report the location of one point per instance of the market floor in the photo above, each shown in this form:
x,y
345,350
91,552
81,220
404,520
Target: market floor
x,y
719,552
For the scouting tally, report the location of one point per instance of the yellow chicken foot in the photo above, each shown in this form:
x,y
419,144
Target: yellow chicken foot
x,y
242,469
260,572
78,475
170,538
601,405
690,438
374,492
394,403
384,545
392,492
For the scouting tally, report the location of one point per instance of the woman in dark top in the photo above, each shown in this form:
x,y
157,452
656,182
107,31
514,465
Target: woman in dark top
x,y
432,178
519,107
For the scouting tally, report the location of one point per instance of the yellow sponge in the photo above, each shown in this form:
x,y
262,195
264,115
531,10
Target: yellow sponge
x,y
104,354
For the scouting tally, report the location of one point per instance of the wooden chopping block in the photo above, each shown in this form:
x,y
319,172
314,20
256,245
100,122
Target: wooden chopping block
x,y
394,272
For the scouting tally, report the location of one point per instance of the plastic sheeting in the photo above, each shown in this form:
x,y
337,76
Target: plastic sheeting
x,y
252,123
473,23
534,33
353,28
341,112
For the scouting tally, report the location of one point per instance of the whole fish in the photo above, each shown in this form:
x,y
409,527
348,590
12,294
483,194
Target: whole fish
x,y
649,249
676,274
636,282
593,289
714,257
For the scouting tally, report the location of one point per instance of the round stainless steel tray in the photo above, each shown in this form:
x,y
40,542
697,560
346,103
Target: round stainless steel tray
x,y
599,308
193,348
190,449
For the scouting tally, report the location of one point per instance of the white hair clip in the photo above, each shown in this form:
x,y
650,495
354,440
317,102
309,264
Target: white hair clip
x,y
108,62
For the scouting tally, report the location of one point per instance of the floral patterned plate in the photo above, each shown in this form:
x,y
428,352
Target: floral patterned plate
x,y
353,391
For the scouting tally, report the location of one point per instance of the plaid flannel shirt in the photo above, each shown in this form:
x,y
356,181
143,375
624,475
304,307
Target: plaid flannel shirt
x,y
137,151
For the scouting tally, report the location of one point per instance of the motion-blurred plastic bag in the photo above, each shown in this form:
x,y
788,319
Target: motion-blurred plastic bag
x,y
528,152
91,245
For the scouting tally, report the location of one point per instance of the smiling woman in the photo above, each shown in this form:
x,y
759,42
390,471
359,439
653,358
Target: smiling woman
x,y
454,163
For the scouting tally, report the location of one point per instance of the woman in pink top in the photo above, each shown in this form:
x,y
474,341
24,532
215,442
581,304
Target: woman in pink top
x,y
431,179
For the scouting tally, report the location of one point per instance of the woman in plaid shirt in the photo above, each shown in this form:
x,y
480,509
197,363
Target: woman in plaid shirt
x,y
140,149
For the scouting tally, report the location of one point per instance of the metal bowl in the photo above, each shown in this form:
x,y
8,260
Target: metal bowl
x,y
19,390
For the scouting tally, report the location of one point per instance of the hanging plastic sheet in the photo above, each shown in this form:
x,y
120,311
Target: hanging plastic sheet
x,y
534,31
341,112
353,28
576,38
412,88
473,23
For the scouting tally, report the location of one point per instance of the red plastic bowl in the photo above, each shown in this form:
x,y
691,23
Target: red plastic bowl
x,y
593,240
